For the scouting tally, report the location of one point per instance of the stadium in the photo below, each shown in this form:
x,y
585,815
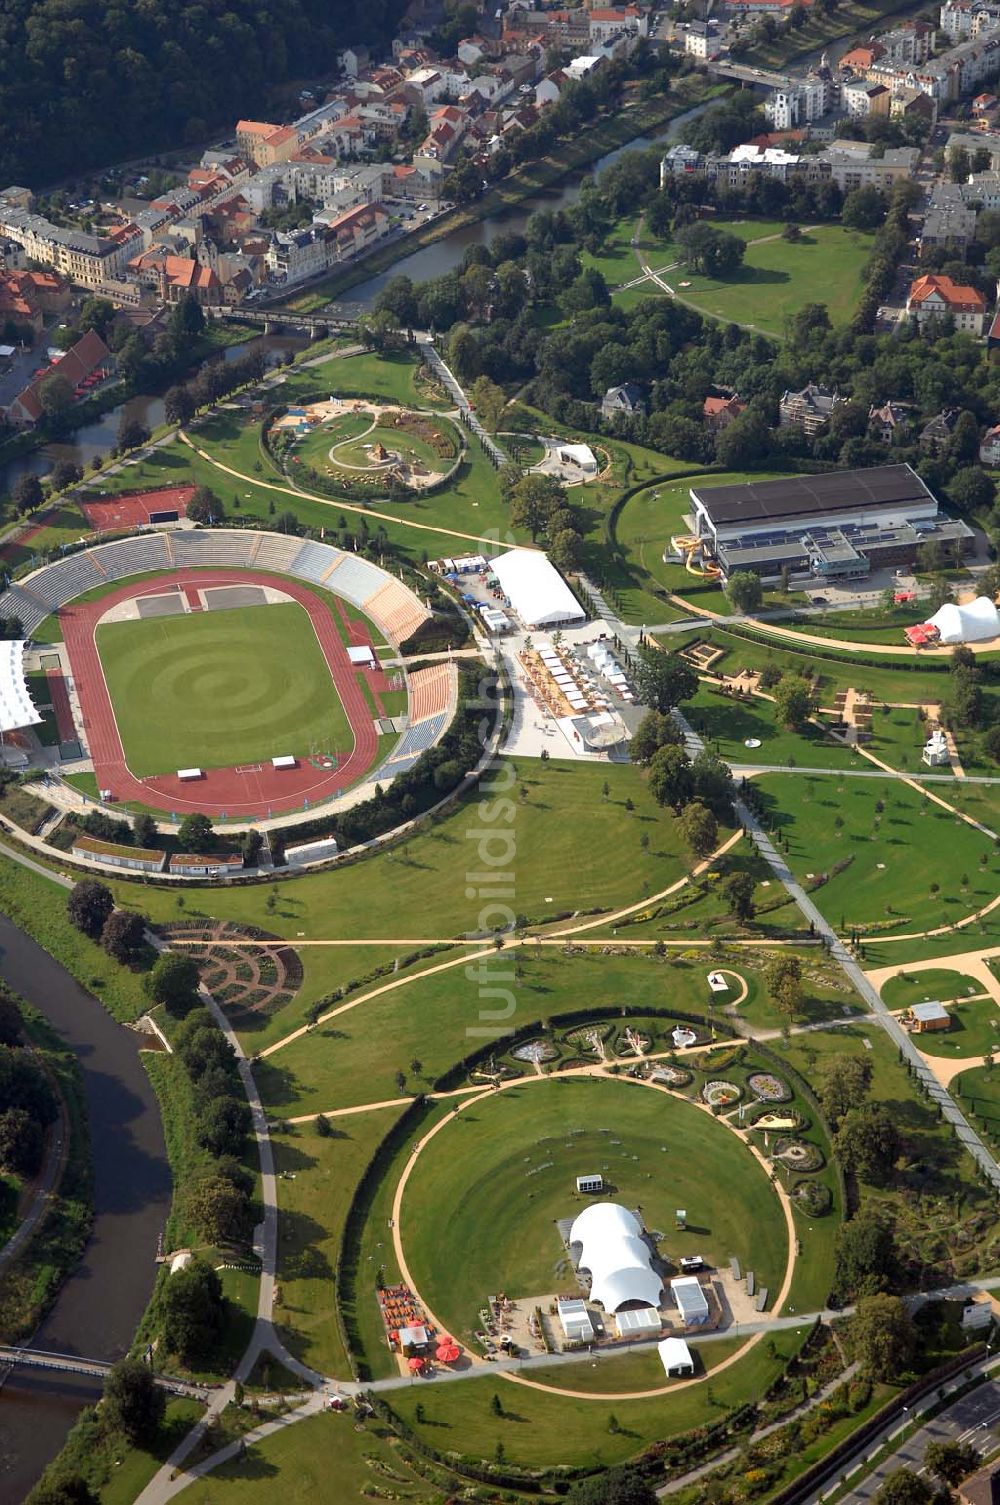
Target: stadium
x,y
240,674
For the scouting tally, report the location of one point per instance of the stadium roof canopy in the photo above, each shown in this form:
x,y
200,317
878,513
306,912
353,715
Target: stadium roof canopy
x,y
16,709
616,1256
535,588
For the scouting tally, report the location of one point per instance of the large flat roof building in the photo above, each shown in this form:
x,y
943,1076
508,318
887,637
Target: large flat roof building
x,y
841,523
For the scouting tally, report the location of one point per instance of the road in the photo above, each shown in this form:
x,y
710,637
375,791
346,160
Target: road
x,y
968,1419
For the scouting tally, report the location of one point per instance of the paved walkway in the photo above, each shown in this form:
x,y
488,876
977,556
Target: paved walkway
x,y
465,408
938,1094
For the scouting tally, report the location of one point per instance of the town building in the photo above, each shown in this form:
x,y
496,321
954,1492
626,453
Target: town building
x,y
702,39
719,412
891,422
989,447
88,358
626,400
935,297
862,99
809,409
86,260
841,524
935,436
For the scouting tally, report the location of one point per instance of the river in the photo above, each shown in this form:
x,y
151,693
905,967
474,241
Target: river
x,y
99,437
449,252
99,1306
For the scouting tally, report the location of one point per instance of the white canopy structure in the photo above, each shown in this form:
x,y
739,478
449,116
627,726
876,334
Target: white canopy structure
x,y
616,1256
535,589
972,623
16,709
675,1356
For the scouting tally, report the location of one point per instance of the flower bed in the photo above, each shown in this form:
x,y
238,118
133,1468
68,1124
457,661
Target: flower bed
x,y
812,1198
784,1121
535,1051
671,1076
798,1154
721,1094
768,1088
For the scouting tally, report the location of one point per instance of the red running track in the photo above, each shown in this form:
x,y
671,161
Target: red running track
x,y
253,792
59,696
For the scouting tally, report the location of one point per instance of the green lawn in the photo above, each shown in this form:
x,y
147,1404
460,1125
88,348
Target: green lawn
x,y
316,1180
64,524
780,277
542,1430
321,1458
489,1186
214,689
929,984
561,819
884,879
727,724
975,1029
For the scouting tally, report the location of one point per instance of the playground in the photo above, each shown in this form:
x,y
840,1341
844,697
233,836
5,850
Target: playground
x,y
367,441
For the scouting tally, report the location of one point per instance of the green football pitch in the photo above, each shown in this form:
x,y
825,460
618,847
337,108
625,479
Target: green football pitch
x,y
219,688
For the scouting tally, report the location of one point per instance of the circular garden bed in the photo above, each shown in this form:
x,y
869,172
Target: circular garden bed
x,y
721,1094
798,1154
812,1198
768,1088
535,1051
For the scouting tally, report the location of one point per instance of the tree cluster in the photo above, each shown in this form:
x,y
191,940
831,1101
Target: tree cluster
x,y
91,908
28,1101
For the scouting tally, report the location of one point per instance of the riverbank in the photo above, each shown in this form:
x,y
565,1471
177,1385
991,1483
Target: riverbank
x,y
635,120
99,1305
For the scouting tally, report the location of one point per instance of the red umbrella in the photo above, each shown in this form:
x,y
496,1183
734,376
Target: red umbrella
x,y
416,1365
448,1351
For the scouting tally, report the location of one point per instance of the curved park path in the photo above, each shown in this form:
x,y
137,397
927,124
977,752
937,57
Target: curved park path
x,y
596,1071
336,502
968,964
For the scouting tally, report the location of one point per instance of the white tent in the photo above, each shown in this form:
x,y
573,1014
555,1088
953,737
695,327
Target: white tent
x,y
675,1356
535,589
690,1299
16,708
972,623
575,1319
616,1256
580,455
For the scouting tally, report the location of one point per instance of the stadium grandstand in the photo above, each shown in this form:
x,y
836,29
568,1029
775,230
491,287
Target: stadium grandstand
x,y
433,694
396,611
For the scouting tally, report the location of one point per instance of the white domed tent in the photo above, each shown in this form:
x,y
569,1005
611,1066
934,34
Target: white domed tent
x,y
972,623
616,1256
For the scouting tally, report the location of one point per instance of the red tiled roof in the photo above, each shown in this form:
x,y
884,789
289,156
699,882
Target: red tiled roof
x,y
954,295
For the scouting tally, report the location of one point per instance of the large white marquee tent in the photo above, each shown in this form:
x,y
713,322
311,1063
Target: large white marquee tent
x,y
16,709
616,1256
535,589
972,623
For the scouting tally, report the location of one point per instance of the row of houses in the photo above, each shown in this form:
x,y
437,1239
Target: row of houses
x,y
848,164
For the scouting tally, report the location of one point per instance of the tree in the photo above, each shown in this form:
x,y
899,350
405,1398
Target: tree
x,y
532,500
883,1336
866,1254
205,507
793,701
739,891
715,253
11,1023
221,1212
864,209
654,730
195,833
63,474
844,1082
566,550
21,1142
744,591
489,401
173,981
699,828
223,1125
178,405
713,784
192,1311
784,981
951,1461
670,777
89,905
26,493
131,434
134,1404
664,680
145,831
70,1489
615,1486
55,395
124,935
904,1487
868,1142
971,488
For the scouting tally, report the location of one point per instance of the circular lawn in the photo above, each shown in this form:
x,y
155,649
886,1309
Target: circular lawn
x,y
480,1210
